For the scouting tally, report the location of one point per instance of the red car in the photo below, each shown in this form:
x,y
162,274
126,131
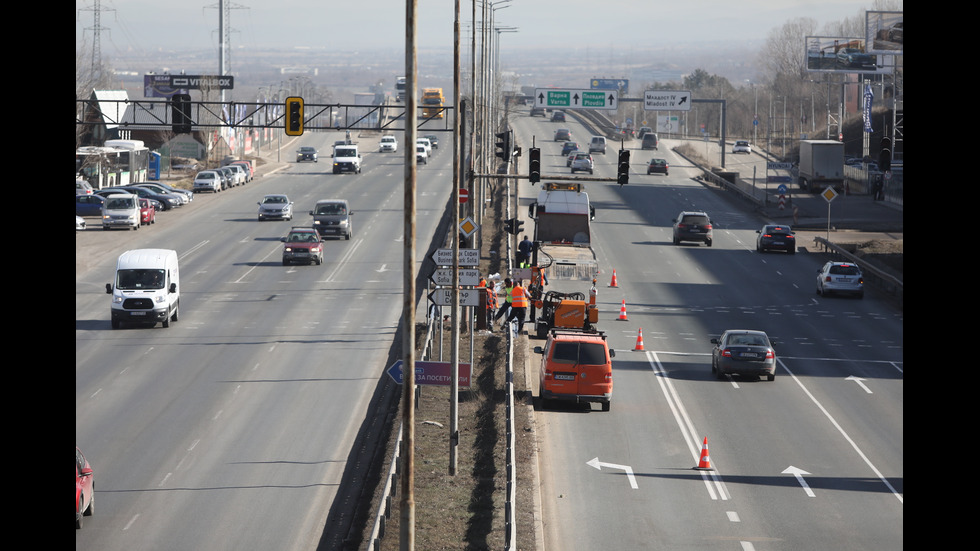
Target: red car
x,y
84,488
148,213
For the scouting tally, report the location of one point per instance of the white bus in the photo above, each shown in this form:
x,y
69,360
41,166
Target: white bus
x,y
135,158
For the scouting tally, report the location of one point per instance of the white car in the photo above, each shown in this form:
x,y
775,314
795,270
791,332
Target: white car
x,y
207,180
582,161
240,172
389,144
425,143
840,277
421,155
742,146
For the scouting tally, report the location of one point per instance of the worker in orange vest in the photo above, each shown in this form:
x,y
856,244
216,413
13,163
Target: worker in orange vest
x,y
519,301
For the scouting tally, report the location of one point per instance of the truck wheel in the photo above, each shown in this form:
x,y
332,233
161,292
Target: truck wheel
x,y
605,406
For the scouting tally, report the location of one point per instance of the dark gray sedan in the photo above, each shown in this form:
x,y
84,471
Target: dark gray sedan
x,y
744,352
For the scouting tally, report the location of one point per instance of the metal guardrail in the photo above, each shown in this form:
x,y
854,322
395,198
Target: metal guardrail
x,y
510,508
878,278
394,469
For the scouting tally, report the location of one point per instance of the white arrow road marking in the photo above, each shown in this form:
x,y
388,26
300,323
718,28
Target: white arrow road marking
x,y
798,473
629,470
860,383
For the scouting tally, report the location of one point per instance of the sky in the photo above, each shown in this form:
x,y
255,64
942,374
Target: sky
x,y
150,25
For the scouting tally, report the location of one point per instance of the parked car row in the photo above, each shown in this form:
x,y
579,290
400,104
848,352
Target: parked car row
x,y
129,207
235,173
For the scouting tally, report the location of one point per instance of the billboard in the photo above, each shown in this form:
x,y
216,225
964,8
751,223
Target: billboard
x,y
883,32
834,54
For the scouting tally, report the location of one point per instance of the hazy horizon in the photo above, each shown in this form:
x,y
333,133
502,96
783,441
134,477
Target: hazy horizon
x,y
133,26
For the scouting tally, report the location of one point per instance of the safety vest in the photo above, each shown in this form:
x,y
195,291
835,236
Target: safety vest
x,y
508,296
519,297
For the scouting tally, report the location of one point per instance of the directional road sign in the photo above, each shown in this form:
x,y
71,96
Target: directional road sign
x,y
467,257
619,84
467,297
431,373
576,98
667,100
444,276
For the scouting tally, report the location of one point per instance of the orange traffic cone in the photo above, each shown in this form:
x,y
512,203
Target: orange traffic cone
x,y
639,340
705,463
622,311
613,282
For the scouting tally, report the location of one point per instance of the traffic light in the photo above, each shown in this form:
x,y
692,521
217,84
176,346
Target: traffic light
x,y
885,155
624,166
518,226
534,173
503,145
294,116
509,225
180,113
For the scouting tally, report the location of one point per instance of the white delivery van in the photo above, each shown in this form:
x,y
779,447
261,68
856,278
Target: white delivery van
x,y
121,210
146,288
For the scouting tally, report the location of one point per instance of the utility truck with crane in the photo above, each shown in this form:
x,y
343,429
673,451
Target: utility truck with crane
x,y
563,258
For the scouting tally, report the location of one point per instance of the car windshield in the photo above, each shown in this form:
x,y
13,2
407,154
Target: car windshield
x,y
334,208
307,149
274,199
304,237
119,203
139,279
748,340
845,270
584,353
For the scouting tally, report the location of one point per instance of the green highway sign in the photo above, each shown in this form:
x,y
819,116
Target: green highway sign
x,y
555,98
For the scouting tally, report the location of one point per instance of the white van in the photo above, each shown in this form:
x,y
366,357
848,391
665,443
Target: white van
x,y
146,288
121,210
597,145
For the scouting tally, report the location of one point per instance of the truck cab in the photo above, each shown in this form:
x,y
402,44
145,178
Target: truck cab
x,y
346,158
146,287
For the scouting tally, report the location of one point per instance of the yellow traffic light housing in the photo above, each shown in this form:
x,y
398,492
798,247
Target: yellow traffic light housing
x,y
294,116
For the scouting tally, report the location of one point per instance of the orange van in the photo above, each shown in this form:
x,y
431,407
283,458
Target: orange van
x,y
576,366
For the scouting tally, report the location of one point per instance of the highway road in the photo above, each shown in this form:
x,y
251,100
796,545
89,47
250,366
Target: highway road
x,y
231,428
812,460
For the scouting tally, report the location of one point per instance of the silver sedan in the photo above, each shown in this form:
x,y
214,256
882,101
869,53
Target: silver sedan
x,y
276,206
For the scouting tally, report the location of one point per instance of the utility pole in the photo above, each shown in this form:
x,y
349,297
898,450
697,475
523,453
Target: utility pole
x,y
406,526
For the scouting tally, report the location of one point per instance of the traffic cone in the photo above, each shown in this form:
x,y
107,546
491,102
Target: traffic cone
x,y
705,463
622,311
639,340
613,282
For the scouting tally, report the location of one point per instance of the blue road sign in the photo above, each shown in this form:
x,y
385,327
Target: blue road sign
x,y
431,373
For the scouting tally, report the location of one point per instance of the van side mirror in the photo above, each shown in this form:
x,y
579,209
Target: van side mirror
x,y
173,287
612,353
108,288
538,350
